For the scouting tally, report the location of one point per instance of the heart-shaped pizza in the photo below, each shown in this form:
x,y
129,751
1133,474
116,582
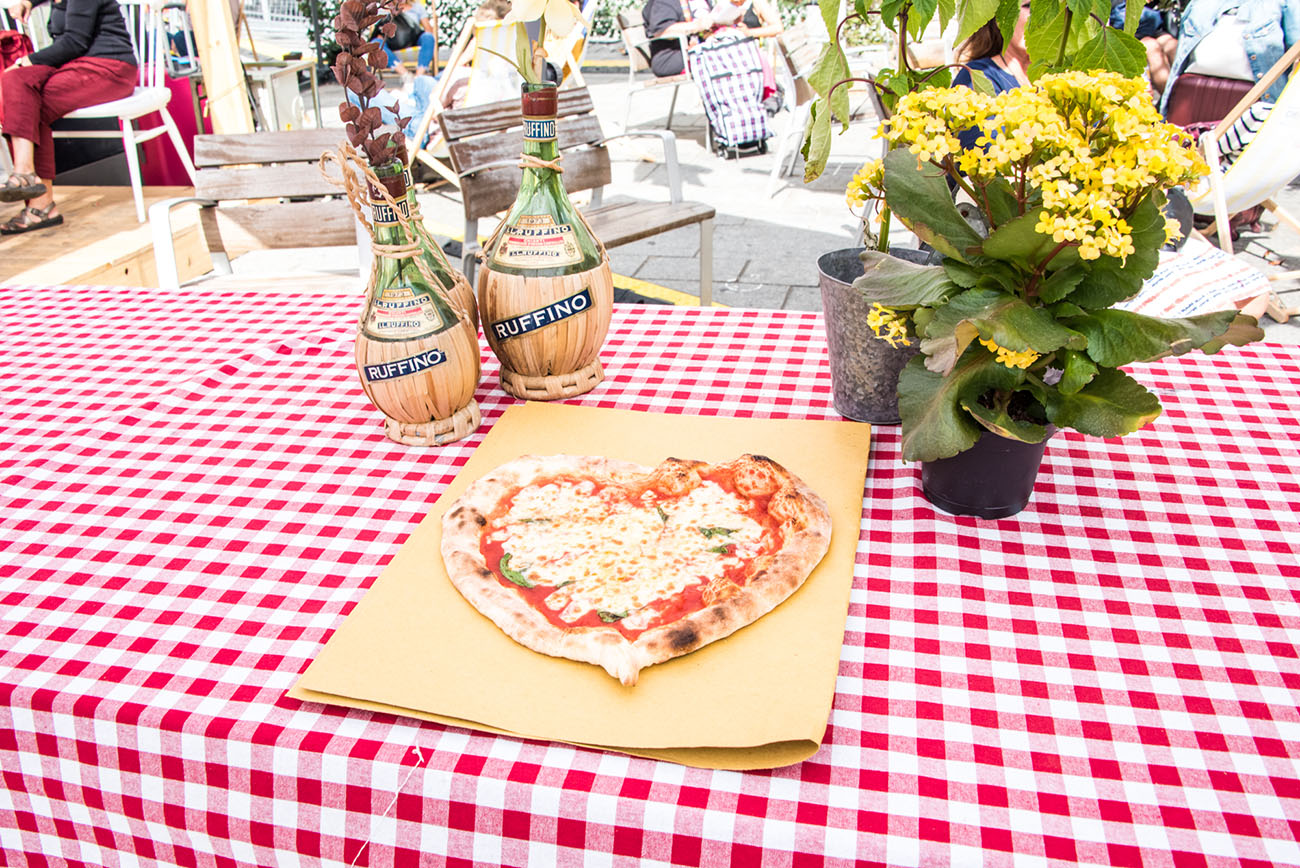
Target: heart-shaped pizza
x,y
625,566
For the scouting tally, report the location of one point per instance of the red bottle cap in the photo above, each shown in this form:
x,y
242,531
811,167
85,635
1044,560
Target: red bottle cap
x,y
539,103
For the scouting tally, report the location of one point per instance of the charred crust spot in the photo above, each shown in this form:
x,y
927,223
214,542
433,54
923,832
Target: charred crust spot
x,y
479,519
764,460
684,637
483,572
719,613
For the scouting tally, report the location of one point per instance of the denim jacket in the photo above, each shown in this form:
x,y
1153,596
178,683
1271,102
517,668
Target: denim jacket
x,y
1271,27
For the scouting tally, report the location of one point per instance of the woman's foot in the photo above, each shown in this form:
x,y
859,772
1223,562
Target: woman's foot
x,y
20,186
30,219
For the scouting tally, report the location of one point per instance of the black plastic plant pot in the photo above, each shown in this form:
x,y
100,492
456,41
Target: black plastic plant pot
x,y
864,369
993,479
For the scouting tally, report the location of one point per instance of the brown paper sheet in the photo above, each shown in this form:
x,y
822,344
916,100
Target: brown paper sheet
x,y
758,699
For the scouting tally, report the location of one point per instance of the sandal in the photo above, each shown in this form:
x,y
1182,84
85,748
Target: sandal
x,y
21,186
31,219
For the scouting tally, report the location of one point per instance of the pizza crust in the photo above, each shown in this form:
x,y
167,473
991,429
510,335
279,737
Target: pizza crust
x,y
806,527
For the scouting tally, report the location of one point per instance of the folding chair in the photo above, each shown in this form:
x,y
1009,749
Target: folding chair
x,y
149,40
1268,163
566,52
490,78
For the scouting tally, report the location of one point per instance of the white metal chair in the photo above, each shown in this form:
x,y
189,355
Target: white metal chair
x,y
637,46
144,21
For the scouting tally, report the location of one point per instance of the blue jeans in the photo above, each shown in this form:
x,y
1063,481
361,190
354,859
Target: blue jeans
x,y
425,58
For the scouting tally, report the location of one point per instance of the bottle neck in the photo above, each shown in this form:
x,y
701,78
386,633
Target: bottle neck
x,y
387,226
540,144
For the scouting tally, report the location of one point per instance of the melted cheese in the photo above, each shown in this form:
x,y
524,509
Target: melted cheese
x,y
604,553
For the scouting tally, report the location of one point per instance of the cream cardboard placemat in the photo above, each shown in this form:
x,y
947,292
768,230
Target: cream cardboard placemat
x,y
759,698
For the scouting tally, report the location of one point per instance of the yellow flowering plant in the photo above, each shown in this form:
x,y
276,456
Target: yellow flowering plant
x,y
1053,216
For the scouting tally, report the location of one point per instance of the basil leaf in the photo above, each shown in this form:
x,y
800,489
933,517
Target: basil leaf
x,y
610,617
663,516
710,532
722,550
513,575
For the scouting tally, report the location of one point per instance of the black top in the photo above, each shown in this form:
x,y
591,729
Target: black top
x,y
665,54
85,28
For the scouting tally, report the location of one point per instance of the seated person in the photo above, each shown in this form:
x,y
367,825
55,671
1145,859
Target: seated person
x,y
1006,66
417,27
1159,42
1234,39
666,21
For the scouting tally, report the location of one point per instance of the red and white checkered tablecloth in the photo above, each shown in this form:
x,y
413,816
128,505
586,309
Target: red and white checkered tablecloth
x,y
195,494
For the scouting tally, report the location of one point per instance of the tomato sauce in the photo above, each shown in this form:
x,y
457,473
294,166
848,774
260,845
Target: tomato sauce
x,y
668,610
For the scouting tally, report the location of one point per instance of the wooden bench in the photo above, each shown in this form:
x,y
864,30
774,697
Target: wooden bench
x,y
485,142
258,191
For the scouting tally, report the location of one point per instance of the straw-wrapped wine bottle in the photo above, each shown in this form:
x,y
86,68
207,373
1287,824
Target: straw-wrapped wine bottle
x,y
444,274
545,289
417,353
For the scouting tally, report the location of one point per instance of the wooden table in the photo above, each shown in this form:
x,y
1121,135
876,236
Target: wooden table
x,y
197,493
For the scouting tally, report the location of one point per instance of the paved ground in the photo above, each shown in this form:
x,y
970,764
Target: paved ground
x,y
768,232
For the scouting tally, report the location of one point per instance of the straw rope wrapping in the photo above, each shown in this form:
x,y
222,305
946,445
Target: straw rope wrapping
x,y
353,170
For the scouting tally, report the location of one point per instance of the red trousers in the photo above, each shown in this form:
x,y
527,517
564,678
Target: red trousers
x,y
37,96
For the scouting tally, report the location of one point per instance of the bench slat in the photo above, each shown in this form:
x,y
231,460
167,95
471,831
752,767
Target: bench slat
x,y
241,228
287,146
625,222
459,123
492,190
263,182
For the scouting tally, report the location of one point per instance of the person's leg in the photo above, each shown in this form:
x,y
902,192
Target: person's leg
x,y
76,84
24,88
424,63
1157,64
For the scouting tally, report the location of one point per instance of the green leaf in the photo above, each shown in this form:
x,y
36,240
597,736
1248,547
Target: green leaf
x,y
1078,371
961,273
947,9
980,83
897,283
1112,405
889,10
721,550
1132,15
1119,337
817,147
862,8
513,575
830,10
523,53
973,15
1112,49
1060,284
1241,331
1044,32
919,18
934,423
832,68
1004,318
999,422
710,532
919,195
1017,241
663,516
1008,16
610,617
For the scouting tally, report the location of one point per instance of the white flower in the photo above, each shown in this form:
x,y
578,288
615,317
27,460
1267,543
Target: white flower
x,y
560,15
